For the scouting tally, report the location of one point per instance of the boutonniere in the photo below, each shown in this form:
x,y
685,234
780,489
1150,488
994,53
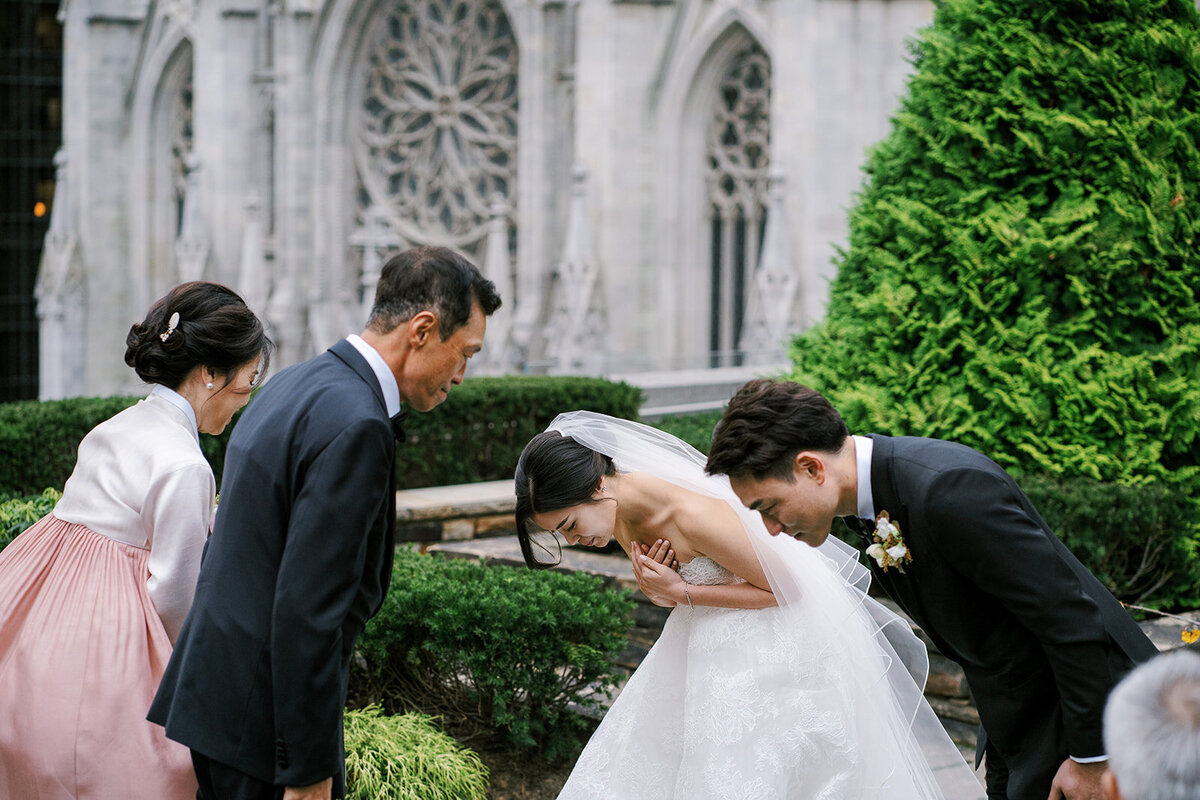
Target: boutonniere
x,y
889,549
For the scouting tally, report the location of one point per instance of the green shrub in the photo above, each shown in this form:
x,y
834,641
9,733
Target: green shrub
x,y
695,429
1133,538
493,649
1023,260
19,513
405,757
477,434
39,440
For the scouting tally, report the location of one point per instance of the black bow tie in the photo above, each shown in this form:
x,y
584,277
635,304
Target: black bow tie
x,y
860,525
398,425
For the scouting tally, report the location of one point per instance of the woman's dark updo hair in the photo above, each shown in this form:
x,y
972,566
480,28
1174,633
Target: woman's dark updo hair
x,y
216,329
553,473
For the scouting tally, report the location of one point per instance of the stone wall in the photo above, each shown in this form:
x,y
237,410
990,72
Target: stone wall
x,y
224,140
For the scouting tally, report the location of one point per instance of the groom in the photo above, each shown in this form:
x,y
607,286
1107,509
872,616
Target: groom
x,y
301,552
1039,637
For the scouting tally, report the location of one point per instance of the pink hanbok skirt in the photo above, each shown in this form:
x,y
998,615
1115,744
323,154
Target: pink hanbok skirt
x,y
82,651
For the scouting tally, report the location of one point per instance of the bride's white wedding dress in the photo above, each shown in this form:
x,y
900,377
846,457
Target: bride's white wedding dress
x,y
818,698
736,704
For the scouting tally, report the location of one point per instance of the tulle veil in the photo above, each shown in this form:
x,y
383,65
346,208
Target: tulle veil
x,y
826,588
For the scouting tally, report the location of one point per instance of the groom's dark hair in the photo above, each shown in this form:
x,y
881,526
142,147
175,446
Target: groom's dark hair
x,y
766,424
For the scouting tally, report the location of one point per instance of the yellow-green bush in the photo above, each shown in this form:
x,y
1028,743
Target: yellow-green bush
x,y
406,757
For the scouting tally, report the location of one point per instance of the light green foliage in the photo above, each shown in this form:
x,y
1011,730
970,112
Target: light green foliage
x,y
19,513
695,429
1023,261
494,649
405,757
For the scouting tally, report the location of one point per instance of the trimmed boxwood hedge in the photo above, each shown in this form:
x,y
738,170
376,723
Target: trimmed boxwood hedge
x,y
475,435
493,649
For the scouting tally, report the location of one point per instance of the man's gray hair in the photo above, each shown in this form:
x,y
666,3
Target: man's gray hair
x,y
1152,729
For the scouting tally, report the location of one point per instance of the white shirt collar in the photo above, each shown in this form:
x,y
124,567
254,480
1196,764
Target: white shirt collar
x,y
387,381
863,448
179,401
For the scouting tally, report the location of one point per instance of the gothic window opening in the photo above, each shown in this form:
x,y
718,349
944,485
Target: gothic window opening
x,y
181,145
436,142
170,141
736,152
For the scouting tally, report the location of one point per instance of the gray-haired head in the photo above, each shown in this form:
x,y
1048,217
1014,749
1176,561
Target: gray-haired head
x,y
1152,730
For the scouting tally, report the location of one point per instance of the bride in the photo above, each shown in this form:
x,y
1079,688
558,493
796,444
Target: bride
x,y
775,675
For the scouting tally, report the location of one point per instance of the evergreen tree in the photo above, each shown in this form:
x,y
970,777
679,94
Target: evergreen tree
x,y
1022,272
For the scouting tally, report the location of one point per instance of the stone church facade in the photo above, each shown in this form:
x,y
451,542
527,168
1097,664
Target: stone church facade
x,y
654,185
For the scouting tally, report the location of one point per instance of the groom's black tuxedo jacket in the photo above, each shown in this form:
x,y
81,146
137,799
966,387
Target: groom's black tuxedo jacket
x,y
299,559
1040,639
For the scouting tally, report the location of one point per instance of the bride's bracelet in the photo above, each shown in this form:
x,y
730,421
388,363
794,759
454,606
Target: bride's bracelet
x,y
689,597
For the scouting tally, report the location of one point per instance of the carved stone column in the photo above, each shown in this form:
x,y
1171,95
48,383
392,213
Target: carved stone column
x,y
576,333
772,292
377,239
60,296
497,356
192,247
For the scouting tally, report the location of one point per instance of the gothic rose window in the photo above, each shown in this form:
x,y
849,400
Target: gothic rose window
x,y
737,149
437,138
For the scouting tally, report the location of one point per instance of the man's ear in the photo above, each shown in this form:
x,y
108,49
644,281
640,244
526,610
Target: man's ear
x,y
421,327
808,465
1108,783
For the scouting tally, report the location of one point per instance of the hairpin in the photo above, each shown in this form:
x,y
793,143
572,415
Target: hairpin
x,y
171,323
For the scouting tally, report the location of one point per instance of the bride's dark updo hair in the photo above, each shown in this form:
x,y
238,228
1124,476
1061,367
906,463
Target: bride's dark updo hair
x,y
553,473
215,329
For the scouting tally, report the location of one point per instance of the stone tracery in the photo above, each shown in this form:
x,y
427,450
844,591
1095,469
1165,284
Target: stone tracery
x,y
437,138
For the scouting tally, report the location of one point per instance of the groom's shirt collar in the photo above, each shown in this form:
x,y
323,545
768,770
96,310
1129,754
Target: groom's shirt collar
x,y
863,447
387,381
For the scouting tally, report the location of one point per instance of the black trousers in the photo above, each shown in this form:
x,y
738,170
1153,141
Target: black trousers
x,y
221,782
996,774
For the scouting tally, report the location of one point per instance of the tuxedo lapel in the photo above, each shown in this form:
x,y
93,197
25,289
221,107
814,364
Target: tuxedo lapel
x,y
884,495
348,354
913,594
353,359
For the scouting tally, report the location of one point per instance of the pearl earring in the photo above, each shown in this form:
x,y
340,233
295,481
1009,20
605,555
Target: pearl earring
x,y
208,385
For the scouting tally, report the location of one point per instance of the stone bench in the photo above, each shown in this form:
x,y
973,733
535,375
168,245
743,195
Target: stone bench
x,y
455,513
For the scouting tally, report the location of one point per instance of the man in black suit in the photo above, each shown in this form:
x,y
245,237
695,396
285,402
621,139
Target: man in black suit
x,y
1040,639
301,551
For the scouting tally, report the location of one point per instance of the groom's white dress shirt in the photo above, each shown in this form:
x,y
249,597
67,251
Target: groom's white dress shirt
x,y
142,480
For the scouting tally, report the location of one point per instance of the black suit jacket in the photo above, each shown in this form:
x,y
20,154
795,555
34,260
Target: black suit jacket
x,y
1040,639
299,559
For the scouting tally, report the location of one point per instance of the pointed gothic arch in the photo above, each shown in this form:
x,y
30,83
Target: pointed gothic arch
x,y
161,137
711,226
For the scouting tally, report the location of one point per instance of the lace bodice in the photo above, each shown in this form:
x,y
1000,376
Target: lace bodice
x,y
703,571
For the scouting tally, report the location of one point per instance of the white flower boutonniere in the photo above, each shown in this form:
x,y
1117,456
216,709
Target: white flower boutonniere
x,y
889,549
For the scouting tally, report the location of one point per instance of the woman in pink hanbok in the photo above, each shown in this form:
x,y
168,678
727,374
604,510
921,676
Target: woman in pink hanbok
x,y
93,595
